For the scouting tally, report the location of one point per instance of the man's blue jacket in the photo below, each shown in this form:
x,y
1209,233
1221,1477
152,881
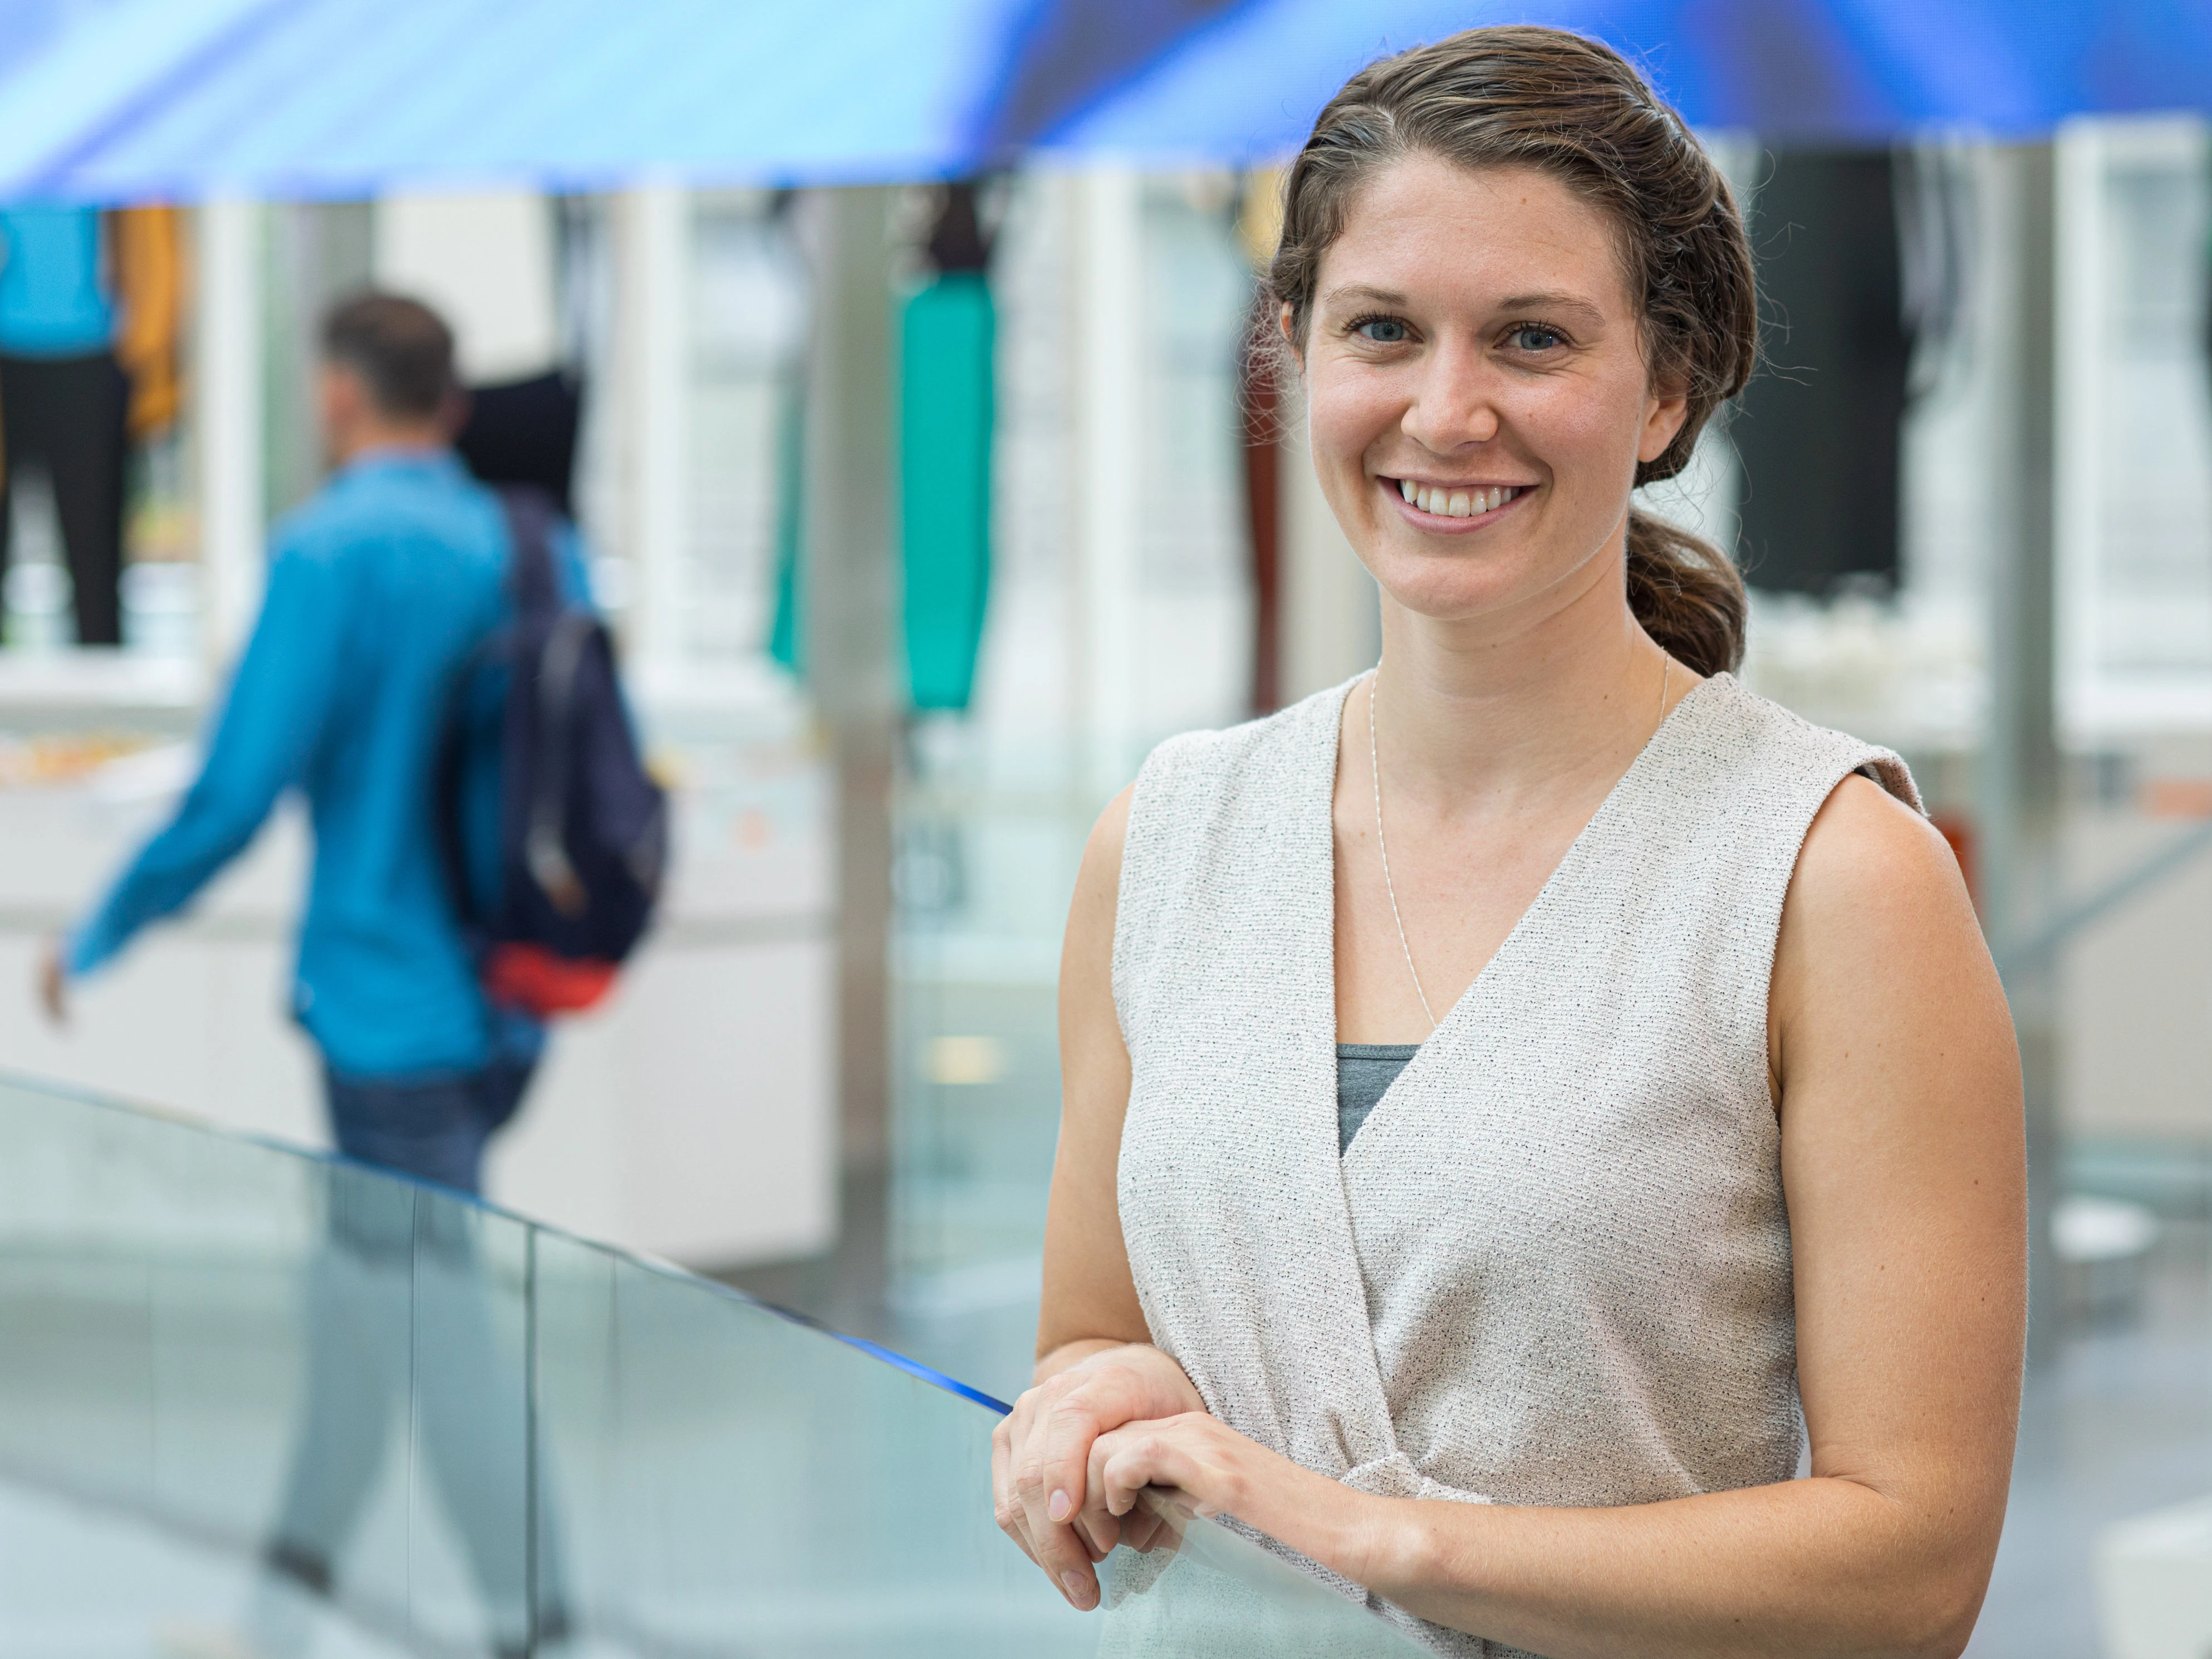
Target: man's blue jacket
x,y
379,589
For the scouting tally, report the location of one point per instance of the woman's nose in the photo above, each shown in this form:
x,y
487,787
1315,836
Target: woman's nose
x,y
1452,406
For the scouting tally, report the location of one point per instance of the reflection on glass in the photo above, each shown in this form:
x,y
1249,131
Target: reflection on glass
x,y
256,1404
1200,1589
404,1358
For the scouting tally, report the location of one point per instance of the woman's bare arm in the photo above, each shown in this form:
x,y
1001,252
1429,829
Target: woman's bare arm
x,y
1090,1299
1903,1165
1095,1368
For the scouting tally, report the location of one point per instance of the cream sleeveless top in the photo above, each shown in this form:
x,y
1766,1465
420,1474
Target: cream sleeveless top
x,y
1553,1266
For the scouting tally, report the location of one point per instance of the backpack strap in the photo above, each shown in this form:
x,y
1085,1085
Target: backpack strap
x,y
531,581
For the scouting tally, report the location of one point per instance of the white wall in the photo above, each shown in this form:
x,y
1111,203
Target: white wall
x,y
1331,619
485,261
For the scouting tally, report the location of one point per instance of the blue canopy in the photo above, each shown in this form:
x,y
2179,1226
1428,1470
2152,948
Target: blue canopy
x,y
110,100
1249,83
346,97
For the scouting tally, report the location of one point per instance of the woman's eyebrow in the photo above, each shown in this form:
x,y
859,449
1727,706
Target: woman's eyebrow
x,y
1552,302
1366,294
1361,294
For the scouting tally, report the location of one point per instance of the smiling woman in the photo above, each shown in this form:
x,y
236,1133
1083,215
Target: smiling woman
x,y
1674,1099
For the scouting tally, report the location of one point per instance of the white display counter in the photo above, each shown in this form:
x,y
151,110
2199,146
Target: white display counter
x,y
693,1116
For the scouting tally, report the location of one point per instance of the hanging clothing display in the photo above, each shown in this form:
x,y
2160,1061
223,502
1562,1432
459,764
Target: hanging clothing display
x,y
148,261
947,411
64,398
523,432
1819,428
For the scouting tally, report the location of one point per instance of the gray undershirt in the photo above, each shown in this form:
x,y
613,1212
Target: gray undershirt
x,y
1364,1071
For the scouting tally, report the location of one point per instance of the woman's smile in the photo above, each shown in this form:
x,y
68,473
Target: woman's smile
x,y
1454,509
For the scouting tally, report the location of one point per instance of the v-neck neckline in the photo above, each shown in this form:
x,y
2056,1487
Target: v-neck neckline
x,y
1544,899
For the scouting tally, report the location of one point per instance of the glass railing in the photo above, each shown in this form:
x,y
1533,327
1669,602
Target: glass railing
x,y
256,1402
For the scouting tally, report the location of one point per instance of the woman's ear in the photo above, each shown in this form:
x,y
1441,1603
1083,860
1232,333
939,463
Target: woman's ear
x,y
1288,323
1664,412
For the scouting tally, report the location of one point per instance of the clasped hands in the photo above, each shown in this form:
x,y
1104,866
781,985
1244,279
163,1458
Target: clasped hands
x,y
1068,1463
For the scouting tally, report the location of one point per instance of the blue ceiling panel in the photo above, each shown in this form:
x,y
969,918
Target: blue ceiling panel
x,y
113,100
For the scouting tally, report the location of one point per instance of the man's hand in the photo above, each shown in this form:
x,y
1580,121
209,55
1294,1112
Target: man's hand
x,y
53,982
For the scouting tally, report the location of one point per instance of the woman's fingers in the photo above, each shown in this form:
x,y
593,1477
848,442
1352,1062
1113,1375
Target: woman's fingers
x,y
1141,1529
1098,1530
1006,1509
1070,1529
1040,1493
1125,1463
1046,1463
1164,1454
1088,1401
1066,1556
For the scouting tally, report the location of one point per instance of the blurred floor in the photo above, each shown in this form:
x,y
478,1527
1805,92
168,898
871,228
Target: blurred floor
x,y
83,1581
2121,1425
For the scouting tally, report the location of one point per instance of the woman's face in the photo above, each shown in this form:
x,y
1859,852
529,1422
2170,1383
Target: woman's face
x,y
1476,389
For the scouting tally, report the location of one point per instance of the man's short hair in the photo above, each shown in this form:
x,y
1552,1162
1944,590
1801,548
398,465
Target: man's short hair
x,y
402,350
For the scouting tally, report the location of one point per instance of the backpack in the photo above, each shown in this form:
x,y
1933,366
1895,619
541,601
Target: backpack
x,y
555,838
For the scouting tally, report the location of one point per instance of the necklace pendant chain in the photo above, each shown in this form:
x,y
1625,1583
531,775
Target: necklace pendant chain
x,y
1382,844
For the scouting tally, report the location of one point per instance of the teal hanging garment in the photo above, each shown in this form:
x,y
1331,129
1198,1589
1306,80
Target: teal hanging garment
x,y
787,639
945,412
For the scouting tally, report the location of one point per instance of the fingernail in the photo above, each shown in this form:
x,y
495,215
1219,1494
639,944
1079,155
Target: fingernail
x,y
1061,1507
1077,1591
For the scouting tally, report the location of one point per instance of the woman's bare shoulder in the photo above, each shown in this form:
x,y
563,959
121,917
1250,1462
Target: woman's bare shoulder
x,y
1101,875
1867,853
1880,946
1087,952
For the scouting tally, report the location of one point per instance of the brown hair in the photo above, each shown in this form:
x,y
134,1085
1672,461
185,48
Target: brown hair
x,y
1524,96
401,349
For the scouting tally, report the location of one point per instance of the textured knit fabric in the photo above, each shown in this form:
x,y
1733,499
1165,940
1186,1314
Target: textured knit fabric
x,y
1554,1266
377,589
1365,1072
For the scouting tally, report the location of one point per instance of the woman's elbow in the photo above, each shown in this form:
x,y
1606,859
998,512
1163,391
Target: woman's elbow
x,y
1936,1618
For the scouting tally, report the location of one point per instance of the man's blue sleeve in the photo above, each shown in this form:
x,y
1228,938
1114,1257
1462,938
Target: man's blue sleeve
x,y
571,568
272,721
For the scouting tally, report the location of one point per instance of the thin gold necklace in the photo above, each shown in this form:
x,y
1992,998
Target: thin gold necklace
x,y
1382,846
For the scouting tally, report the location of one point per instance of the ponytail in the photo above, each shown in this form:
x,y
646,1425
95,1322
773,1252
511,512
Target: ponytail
x,y
1687,595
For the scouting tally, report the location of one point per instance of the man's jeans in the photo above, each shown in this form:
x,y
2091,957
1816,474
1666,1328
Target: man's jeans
x,y
434,1129
400,1331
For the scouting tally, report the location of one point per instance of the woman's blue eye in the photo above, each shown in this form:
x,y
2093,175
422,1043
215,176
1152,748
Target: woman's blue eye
x,y
1531,338
1383,330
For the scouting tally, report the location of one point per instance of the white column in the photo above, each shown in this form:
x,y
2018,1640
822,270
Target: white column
x,y
1331,623
850,584
226,374
1109,471
654,299
2020,779
2080,386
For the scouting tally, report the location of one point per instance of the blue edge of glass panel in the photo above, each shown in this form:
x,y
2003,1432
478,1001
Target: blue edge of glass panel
x,y
889,1357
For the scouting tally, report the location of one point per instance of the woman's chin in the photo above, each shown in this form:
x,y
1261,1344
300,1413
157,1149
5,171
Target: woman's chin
x,y
1457,585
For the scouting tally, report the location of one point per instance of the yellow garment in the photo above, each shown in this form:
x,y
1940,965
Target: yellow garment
x,y
147,262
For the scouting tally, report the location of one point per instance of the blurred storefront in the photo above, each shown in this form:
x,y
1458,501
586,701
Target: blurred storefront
x,y
840,1047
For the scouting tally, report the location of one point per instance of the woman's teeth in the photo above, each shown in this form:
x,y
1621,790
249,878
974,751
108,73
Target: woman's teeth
x,y
1457,503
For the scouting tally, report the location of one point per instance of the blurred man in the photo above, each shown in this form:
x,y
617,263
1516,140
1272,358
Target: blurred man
x,y
379,591
379,588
